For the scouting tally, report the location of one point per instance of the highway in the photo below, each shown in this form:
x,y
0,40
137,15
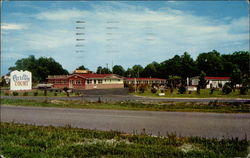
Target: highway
x,y
209,125
114,98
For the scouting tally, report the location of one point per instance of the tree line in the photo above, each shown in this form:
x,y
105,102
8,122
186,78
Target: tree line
x,y
212,63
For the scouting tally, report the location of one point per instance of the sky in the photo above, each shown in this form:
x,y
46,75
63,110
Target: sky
x,y
120,32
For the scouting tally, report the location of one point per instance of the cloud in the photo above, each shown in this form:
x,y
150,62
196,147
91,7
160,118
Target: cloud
x,y
13,26
61,15
126,34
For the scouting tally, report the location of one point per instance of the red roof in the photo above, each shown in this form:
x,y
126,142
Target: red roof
x,y
83,75
217,78
95,75
143,79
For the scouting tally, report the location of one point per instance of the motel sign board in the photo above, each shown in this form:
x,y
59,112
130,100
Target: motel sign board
x,y
20,80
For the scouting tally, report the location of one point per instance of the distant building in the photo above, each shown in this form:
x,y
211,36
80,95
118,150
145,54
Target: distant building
x,y
144,81
212,81
86,81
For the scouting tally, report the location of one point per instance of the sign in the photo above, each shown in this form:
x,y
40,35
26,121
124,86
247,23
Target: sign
x,y
191,88
20,80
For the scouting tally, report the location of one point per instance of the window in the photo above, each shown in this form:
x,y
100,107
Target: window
x,y
99,81
78,82
89,81
57,81
94,81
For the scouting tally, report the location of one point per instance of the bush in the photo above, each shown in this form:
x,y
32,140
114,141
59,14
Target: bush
x,y
6,93
25,94
212,90
226,89
45,92
243,90
142,88
131,88
220,85
182,89
77,93
55,94
153,90
15,93
35,93
65,89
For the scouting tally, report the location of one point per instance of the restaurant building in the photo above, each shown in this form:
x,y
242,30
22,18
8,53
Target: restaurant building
x,y
149,81
213,82
86,81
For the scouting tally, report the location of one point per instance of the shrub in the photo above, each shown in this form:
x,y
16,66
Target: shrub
x,y
198,89
65,89
45,92
131,88
212,90
35,93
226,89
25,94
15,93
77,93
55,94
142,89
6,93
220,85
153,90
243,90
182,89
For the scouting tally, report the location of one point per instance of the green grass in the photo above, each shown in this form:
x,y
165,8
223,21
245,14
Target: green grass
x,y
163,106
39,93
36,141
204,93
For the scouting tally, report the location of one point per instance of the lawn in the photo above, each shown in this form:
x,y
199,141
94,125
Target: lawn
x,y
204,93
50,93
36,141
127,105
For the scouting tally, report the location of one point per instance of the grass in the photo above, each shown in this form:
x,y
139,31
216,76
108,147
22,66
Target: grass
x,y
50,93
146,106
204,93
36,141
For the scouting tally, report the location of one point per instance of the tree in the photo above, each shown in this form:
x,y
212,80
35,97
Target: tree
x,y
130,73
118,69
211,63
99,70
202,81
241,59
173,81
236,77
81,68
188,66
40,68
3,82
150,70
137,69
103,70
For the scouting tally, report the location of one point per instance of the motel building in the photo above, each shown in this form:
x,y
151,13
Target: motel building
x,y
213,82
149,81
86,80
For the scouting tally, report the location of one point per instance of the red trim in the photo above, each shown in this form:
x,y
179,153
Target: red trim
x,y
217,78
143,79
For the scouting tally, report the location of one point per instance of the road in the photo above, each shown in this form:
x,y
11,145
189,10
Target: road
x,y
106,98
155,123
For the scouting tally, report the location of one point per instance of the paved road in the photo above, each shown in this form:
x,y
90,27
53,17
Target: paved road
x,y
156,123
106,98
